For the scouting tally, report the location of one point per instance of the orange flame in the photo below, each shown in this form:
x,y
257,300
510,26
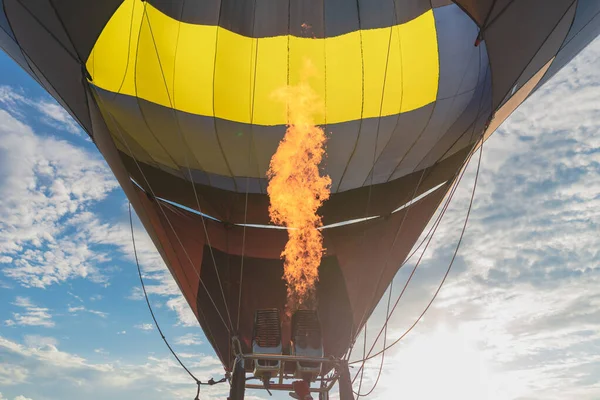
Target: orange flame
x,y
296,190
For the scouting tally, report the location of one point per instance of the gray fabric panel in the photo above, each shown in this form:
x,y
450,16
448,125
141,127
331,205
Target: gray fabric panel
x,y
471,135
445,113
459,59
515,37
546,52
364,155
585,28
236,142
467,125
248,149
124,112
340,145
199,134
50,58
409,126
314,18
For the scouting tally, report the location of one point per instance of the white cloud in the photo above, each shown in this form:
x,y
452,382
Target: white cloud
x,y
57,116
51,113
32,316
101,351
21,397
145,327
78,309
189,339
121,332
11,374
44,182
184,312
37,341
66,373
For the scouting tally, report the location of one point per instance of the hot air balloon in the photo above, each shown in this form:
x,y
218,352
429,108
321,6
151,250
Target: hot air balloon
x,y
176,95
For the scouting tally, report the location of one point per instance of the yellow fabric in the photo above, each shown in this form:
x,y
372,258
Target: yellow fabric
x,y
145,53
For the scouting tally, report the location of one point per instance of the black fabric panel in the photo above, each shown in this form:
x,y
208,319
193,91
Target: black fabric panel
x,y
272,19
237,16
83,20
585,28
516,36
205,12
306,18
546,52
52,60
407,10
341,16
44,13
8,45
4,25
478,10
313,19
441,3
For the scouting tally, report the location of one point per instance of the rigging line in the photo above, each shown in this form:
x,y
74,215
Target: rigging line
x,y
397,234
449,266
364,353
358,394
375,159
250,147
137,262
432,231
180,134
116,124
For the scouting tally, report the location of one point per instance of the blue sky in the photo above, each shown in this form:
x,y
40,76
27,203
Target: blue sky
x,y
518,318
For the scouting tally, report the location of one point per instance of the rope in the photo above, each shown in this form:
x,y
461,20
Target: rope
x,y
382,352
183,142
198,382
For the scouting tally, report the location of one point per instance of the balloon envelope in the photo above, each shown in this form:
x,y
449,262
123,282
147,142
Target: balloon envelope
x,y
177,97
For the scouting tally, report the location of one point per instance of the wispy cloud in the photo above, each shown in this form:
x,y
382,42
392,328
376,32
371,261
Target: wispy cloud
x,y
50,112
11,374
65,373
78,309
57,116
189,339
31,316
145,327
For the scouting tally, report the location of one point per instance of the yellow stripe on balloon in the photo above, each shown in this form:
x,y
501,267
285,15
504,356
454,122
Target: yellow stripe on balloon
x,y
210,71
